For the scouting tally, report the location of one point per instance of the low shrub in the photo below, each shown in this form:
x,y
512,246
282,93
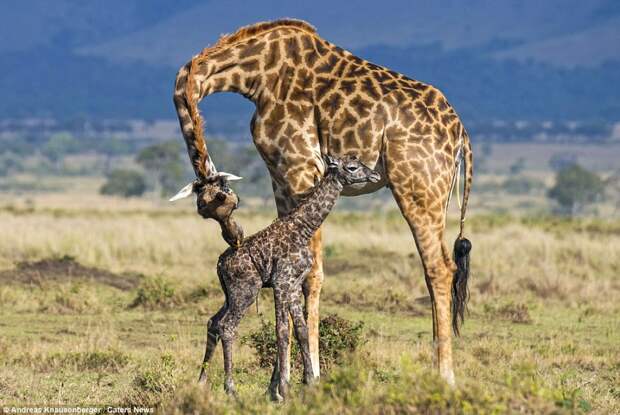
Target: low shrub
x,y
514,312
154,383
70,299
338,337
125,183
155,293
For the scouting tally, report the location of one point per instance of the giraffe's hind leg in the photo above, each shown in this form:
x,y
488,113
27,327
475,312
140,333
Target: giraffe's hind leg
x,y
213,337
421,188
240,294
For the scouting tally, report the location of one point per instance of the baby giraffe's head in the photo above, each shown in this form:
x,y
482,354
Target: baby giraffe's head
x,y
350,170
216,200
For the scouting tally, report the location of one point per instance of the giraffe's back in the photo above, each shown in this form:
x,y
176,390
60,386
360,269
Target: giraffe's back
x,y
322,97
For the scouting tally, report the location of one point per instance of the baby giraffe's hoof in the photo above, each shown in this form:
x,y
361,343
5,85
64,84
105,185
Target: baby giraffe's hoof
x,y
230,390
311,380
273,393
203,376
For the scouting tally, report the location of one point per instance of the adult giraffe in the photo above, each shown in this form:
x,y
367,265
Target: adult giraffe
x,y
314,98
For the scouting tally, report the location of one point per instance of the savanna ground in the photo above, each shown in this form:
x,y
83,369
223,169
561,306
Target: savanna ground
x,y
104,301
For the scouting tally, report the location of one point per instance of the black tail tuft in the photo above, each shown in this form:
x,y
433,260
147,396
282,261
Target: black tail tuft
x,y
460,292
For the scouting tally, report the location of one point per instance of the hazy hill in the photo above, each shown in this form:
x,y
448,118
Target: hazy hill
x,y
557,59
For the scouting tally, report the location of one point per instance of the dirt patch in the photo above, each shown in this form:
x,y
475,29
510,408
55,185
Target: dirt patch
x,y
516,313
364,262
66,268
390,301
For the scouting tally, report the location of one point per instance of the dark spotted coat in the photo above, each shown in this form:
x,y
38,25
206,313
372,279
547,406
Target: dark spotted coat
x,y
278,257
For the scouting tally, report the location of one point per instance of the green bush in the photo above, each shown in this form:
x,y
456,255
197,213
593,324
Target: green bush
x,y
576,187
163,161
154,383
338,337
155,293
126,183
159,377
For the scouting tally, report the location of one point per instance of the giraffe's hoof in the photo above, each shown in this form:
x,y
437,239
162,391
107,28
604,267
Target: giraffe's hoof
x,y
274,395
311,381
203,377
448,376
229,388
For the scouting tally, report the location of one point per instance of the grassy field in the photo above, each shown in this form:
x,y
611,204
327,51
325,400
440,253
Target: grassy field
x,y
105,302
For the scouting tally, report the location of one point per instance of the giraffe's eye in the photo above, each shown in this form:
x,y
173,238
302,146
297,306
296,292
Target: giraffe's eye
x,y
351,168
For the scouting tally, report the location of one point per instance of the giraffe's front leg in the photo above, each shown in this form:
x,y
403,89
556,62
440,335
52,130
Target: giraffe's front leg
x,y
313,282
312,291
281,297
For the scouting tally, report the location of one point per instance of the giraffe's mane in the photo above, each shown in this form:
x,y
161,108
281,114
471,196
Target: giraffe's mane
x,y
250,31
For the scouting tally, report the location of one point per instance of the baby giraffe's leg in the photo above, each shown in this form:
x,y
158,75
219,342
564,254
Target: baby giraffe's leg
x,y
282,335
213,337
301,333
240,300
228,331
275,380
229,384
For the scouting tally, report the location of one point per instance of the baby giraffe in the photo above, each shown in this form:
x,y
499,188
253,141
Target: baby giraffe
x,y
278,257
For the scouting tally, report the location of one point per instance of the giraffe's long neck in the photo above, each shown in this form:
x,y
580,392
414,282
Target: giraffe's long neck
x,y
228,75
227,70
268,68
309,215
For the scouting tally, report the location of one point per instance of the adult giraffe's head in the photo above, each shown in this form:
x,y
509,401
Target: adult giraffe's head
x,y
216,200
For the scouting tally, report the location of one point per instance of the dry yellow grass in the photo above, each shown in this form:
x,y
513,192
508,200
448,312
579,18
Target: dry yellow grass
x,y
541,336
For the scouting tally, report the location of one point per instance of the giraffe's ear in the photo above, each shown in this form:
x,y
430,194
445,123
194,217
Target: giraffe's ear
x,y
183,193
229,176
331,162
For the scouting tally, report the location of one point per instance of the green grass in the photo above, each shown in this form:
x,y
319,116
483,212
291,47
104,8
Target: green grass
x,y
126,323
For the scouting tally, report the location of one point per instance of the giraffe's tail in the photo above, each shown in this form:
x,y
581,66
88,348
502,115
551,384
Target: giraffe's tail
x,y
462,246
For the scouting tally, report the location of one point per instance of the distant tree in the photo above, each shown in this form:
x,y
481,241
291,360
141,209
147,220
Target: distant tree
x,y
518,166
126,183
17,145
111,148
59,145
559,161
163,161
9,163
612,185
483,156
487,149
576,187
